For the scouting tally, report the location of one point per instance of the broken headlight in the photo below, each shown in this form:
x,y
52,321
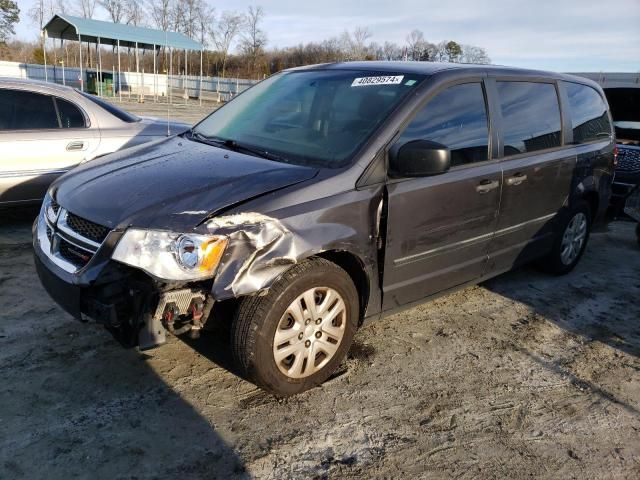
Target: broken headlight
x,y
169,255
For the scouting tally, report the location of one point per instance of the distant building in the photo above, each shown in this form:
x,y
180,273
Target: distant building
x,y
613,79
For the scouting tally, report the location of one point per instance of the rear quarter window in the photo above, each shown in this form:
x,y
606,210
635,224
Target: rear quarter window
x,y
70,115
588,112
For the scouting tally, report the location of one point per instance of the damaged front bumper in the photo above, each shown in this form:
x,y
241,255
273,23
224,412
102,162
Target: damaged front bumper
x,y
136,309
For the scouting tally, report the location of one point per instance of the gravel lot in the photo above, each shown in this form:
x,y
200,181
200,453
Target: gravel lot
x,y
526,375
189,112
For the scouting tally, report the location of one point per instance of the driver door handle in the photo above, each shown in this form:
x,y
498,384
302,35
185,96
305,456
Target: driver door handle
x,y
75,146
517,179
486,185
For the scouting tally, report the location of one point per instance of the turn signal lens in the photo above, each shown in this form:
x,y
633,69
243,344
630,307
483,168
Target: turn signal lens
x,y
212,251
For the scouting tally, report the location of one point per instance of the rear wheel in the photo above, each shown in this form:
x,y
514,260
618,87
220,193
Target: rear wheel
x,y
294,337
570,244
638,233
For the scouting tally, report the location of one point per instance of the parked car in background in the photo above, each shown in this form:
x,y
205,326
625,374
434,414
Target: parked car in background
x,y
46,129
327,196
625,110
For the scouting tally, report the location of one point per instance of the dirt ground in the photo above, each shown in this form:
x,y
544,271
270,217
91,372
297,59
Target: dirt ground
x,y
190,112
526,375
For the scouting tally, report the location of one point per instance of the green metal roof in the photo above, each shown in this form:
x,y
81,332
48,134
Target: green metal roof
x,y
68,27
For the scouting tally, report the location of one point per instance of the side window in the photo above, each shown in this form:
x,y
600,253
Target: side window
x,y
530,116
456,118
588,113
26,111
70,115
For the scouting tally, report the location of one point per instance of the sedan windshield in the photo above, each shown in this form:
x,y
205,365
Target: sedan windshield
x,y
312,117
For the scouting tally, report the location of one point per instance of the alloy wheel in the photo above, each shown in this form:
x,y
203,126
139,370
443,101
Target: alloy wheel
x,y
573,238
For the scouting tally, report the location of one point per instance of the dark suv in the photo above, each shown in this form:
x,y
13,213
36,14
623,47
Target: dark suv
x,y
625,110
326,196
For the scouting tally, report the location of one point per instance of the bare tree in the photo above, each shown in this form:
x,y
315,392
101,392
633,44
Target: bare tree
x,y
115,8
358,46
161,12
415,39
254,38
418,48
225,32
87,8
473,54
206,18
391,51
133,12
43,10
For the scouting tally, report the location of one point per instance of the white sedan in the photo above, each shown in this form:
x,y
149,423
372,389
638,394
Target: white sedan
x,y
46,129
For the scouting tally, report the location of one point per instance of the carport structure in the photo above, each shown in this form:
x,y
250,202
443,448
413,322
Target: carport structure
x,y
71,28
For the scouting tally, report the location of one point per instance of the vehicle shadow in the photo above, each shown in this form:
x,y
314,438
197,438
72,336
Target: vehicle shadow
x,y
73,403
596,303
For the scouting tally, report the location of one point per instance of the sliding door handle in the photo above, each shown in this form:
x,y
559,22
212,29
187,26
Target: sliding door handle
x,y
485,186
517,179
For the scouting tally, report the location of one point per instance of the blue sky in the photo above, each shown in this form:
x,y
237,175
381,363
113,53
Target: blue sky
x,y
563,35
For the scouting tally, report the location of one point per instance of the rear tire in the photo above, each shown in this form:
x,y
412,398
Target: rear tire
x,y
571,242
638,233
294,338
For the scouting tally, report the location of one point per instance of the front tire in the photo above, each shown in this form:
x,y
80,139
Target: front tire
x,y
294,338
571,242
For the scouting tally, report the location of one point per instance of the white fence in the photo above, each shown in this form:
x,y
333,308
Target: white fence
x,y
131,83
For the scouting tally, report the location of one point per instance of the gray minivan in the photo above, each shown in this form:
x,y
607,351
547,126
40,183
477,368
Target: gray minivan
x,y
324,197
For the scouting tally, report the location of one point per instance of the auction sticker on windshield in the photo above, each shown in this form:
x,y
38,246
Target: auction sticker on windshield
x,y
382,80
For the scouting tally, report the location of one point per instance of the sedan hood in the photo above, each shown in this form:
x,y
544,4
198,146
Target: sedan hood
x,y
171,184
158,127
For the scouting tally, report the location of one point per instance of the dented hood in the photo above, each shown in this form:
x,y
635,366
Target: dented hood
x,y
172,184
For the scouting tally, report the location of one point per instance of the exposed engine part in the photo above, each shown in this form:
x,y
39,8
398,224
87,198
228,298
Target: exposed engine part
x,y
181,311
196,309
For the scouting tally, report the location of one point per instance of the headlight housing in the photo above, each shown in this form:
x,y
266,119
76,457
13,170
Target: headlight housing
x,y
50,209
171,255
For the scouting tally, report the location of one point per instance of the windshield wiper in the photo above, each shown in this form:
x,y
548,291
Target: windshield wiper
x,y
257,152
198,137
235,146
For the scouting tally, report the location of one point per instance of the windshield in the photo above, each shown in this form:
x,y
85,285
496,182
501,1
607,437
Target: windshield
x,y
113,110
317,117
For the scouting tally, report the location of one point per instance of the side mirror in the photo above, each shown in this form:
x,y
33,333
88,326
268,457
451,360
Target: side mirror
x,y
419,158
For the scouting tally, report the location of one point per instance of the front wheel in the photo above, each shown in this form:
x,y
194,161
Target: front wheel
x,y
571,242
294,338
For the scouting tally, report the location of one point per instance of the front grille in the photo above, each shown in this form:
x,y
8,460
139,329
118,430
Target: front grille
x,y
69,238
72,254
628,160
54,206
86,228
